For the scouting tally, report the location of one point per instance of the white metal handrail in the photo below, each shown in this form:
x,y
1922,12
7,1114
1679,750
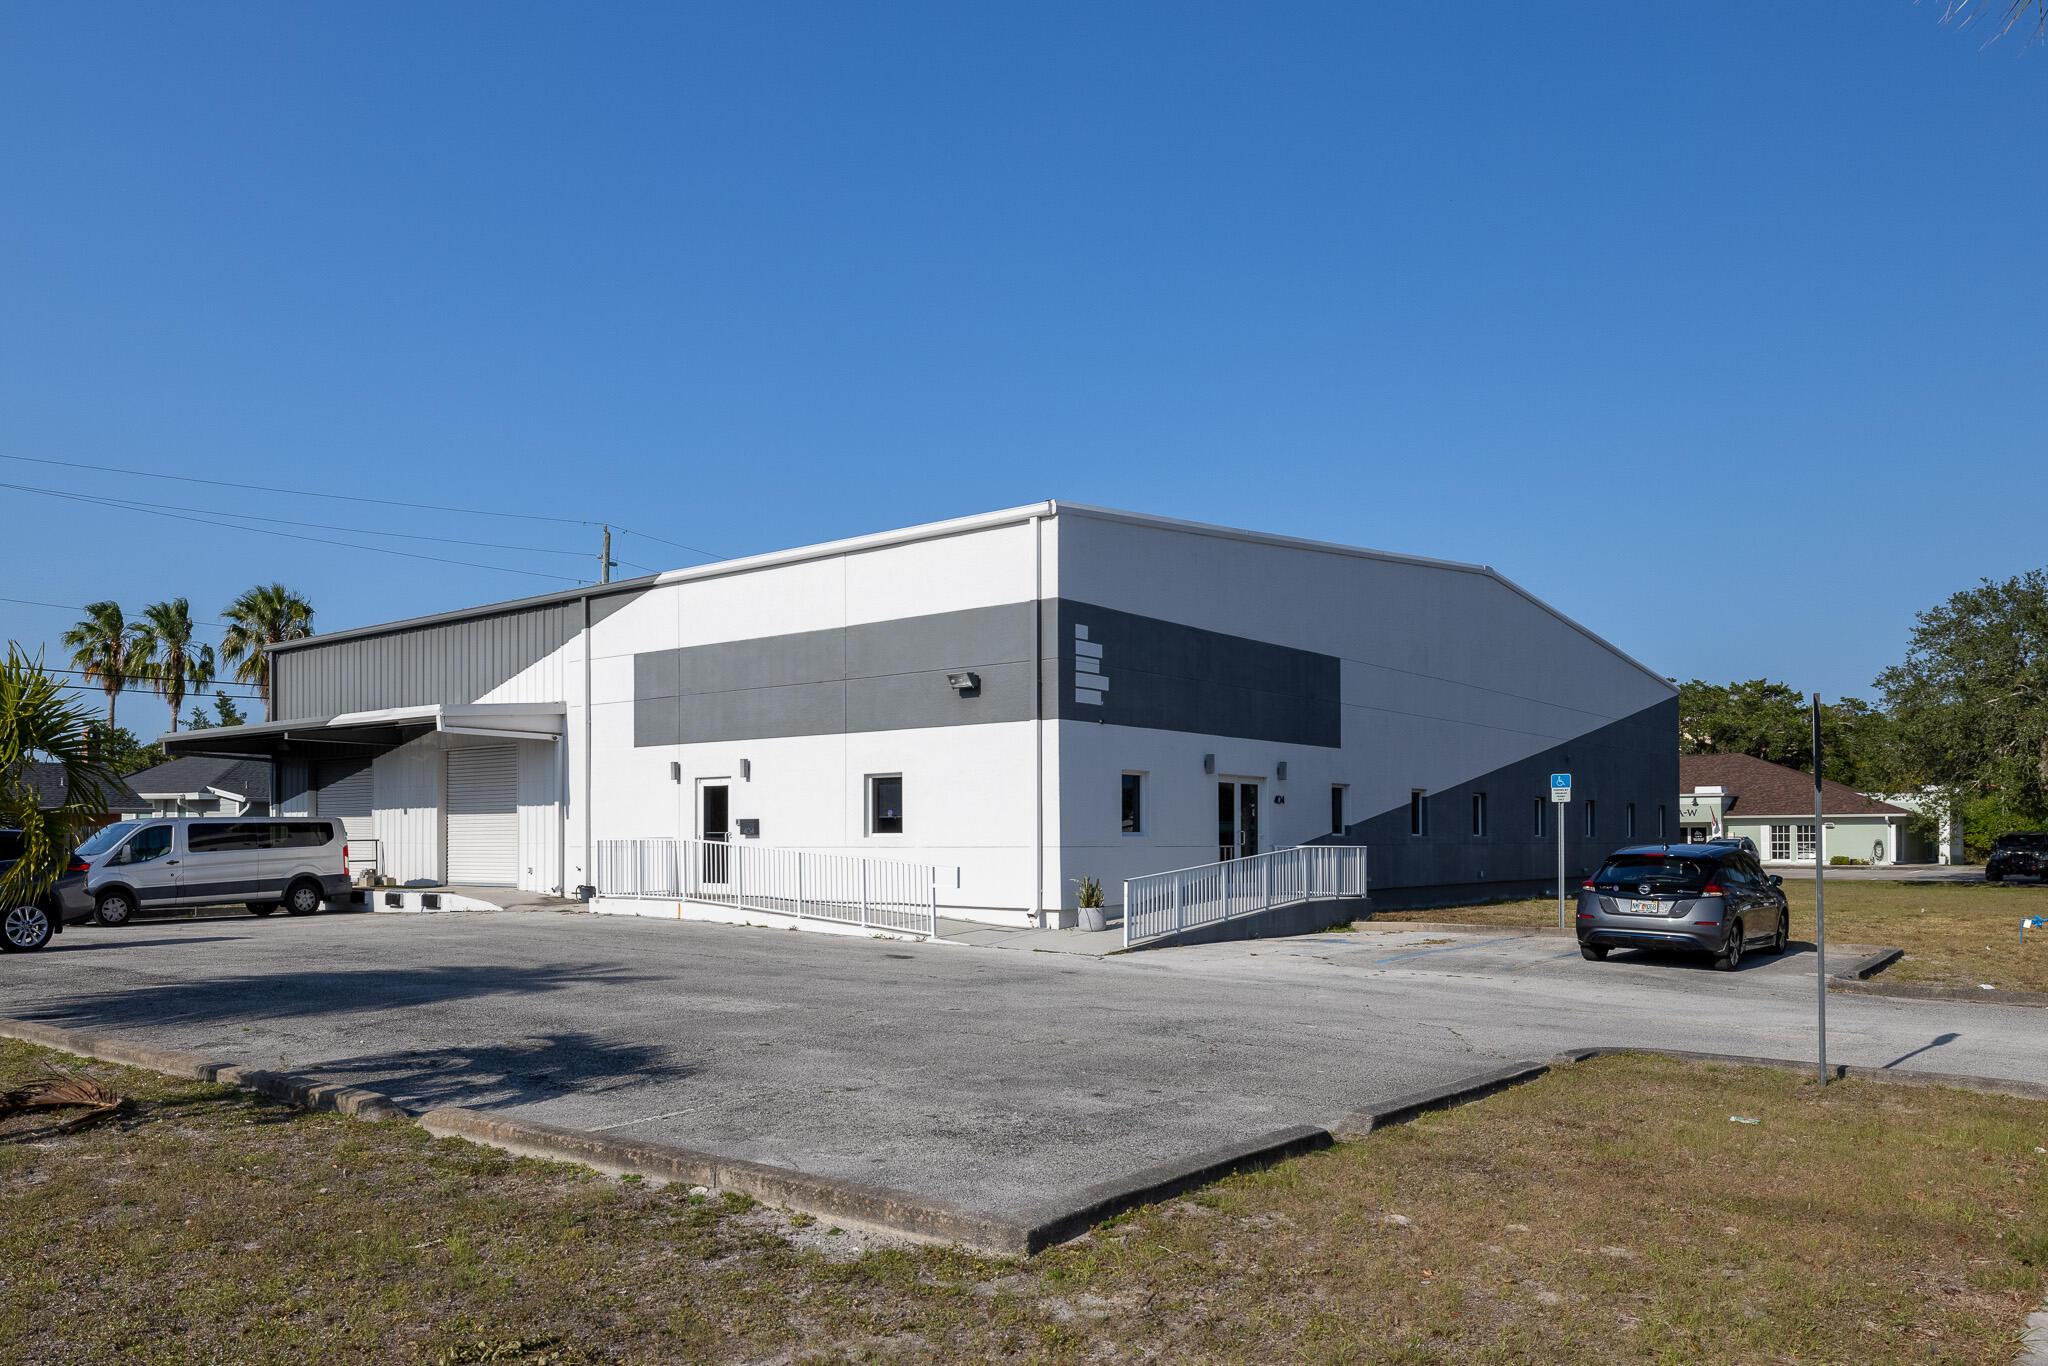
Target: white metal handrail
x,y
846,889
1162,904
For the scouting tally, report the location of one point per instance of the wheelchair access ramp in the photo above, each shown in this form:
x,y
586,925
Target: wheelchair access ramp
x,y
1288,891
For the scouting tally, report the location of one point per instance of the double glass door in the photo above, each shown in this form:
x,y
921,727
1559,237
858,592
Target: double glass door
x,y
1237,819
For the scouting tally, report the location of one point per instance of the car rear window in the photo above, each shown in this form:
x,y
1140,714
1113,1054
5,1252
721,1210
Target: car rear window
x,y
1664,872
2028,839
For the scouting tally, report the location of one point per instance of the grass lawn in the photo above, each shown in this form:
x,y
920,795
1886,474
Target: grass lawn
x,y
1607,1212
1954,933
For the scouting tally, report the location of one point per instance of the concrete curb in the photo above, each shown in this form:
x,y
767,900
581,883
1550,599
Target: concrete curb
x,y
1056,1224
1914,991
874,1207
1468,927
1404,1108
1869,966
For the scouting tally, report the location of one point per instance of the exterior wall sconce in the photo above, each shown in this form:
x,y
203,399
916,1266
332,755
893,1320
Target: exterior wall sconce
x,y
675,772
1208,763
746,770
1280,770
964,682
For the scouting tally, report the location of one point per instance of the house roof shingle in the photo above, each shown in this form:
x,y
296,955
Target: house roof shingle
x,y
248,779
48,781
1758,787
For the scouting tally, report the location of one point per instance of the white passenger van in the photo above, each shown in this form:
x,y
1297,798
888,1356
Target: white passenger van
x,y
263,862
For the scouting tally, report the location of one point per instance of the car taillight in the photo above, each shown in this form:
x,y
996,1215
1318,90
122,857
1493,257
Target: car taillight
x,y
344,853
1711,889
1585,886
78,865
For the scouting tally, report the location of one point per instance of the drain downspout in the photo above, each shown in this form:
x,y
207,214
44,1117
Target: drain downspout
x,y
1038,717
587,862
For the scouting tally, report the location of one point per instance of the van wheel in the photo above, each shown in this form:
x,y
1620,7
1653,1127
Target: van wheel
x,y
113,908
26,929
262,908
1593,953
303,898
1730,958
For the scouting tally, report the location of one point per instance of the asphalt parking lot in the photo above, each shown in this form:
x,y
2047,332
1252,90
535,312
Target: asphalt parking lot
x,y
998,1079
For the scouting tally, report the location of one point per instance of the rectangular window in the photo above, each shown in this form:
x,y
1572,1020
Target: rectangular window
x,y
1337,809
226,837
1134,796
1781,842
1479,813
1591,826
1539,822
1418,812
885,804
1628,821
1805,841
1660,823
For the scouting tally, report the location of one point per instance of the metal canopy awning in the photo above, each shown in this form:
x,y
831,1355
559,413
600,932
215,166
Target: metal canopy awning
x,y
365,734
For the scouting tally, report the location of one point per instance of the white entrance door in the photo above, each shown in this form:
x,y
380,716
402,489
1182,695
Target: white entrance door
x,y
483,816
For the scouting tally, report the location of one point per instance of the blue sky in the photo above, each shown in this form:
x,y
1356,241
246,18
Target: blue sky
x,y
1734,304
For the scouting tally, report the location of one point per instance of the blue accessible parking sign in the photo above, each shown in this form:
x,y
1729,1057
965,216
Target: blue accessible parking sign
x,y
1560,787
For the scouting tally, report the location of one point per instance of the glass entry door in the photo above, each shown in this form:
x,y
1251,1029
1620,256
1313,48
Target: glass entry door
x,y
1237,820
714,826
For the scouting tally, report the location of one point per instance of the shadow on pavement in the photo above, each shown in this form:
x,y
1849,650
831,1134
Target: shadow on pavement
x,y
542,1067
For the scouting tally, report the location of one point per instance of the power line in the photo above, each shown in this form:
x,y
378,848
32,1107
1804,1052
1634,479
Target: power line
x,y
137,681
694,550
128,506
354,530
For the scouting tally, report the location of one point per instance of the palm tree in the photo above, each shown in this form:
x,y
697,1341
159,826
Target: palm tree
x,y
37,725
163,656
102,650
260,618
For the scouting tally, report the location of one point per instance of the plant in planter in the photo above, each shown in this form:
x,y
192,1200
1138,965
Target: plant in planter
x,y
1088,897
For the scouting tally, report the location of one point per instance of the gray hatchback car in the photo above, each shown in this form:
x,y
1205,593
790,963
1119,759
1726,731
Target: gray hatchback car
x,y
1703,898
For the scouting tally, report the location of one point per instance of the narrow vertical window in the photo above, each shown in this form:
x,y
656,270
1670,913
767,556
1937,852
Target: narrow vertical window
x,y
1134,811
1479,813
1418,812
1538,825
1337,809
885,804
1591,827
1661,834
1628,821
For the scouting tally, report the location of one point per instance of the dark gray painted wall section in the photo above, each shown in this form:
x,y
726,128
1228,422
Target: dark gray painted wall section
x,y
452,662
891,675
888,675
1162,675
1634,759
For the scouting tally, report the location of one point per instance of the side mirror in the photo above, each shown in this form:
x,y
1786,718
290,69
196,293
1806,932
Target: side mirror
x,y
120,857
1777,881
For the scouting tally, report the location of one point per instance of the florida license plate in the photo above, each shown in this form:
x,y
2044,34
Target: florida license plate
x,y
1646,907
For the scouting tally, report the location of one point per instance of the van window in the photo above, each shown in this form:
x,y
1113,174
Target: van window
x,y
151,842
302,835
107,836
224,837
10,846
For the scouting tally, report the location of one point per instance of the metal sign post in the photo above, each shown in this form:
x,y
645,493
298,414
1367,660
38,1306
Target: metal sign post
x,y
1560,796
1820,923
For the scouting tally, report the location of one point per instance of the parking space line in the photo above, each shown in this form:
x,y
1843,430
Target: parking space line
x,y
1454,948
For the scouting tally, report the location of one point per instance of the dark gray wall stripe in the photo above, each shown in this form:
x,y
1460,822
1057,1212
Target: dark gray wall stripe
x,y
1634,759
1165,676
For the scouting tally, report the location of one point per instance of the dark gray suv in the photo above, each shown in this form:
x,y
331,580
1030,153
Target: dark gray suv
x,y
1704,898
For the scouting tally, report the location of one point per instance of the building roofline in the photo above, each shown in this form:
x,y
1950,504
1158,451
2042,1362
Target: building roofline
x,y
956,526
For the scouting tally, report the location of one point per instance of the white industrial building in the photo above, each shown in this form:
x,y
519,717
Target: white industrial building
x,y
1031,696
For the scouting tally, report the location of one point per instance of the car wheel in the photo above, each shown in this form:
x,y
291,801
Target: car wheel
x,y
113,908
302,899
1991,875
262,908
1730,957
25,929
1593,953
1783,936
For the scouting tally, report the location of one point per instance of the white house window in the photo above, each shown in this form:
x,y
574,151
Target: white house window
x,y
1781,842
1337,808
885,804
1479,813
1134,810
1805,841
1628,821
1418,812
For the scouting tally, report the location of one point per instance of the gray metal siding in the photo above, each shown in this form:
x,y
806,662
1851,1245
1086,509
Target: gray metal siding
x,y
454,662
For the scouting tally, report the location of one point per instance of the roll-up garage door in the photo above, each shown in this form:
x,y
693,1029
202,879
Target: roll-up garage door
x,y
342,788
483,816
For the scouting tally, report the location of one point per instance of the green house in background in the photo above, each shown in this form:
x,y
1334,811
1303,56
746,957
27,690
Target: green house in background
x,y
1734,794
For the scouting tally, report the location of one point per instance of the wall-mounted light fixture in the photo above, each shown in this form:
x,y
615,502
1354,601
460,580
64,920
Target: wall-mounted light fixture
x,y
1280,770
964,682
746,770
675,772
1208,763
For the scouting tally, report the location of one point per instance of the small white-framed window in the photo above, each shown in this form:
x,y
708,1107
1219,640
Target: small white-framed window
x,y
1418,811
1806,842
885,803
1628,821
1336,808
1781,843
1134,804
1479,813
1592,822
1539,820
